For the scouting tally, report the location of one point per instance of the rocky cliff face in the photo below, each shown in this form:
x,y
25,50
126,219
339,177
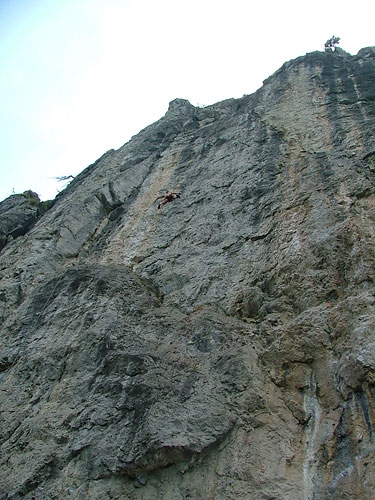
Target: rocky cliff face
x,y
222,346
18,214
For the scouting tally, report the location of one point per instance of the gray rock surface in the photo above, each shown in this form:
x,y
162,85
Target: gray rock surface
x,y
18,213
221,347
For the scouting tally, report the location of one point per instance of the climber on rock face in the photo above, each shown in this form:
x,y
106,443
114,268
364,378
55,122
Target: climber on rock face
x,y
167,197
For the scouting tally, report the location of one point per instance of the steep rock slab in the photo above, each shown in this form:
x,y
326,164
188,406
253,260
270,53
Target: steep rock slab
x,y
222,346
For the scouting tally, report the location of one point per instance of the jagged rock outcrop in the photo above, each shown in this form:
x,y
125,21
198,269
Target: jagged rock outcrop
x,y
223,346
18,214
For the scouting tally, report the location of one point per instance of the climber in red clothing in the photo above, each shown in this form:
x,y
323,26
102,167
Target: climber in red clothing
x,y
167,197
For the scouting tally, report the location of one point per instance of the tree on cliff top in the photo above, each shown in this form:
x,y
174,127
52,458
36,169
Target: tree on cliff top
x,y
331,43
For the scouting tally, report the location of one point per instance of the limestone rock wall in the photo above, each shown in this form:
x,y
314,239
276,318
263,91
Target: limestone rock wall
x,y
223,346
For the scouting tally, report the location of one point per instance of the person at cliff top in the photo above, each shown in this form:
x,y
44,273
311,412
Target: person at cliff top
x,y
166,198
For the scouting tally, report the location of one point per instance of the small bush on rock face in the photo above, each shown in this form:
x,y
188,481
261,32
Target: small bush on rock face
x,y
34,202
44,206
33,198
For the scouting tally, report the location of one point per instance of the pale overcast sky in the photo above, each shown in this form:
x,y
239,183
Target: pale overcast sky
x,y
79,77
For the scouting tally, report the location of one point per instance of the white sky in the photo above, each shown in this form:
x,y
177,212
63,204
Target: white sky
x,y
79,77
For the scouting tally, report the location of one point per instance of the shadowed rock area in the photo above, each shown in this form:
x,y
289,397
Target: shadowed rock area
x,y
220,347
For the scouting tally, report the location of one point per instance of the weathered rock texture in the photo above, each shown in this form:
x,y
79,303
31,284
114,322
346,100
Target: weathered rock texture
x,y
222,347
18,214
